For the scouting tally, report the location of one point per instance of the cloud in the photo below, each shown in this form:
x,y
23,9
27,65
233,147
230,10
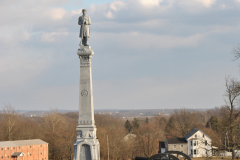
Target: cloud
x,y
147,43
55,13
150,3
18,70
117,5
206,3
109,15
53,36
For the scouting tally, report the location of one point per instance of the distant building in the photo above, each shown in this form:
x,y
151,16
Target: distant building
x,y
195,144
129,137
34,149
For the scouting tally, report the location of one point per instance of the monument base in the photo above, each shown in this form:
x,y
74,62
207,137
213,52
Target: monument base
x,y
86,146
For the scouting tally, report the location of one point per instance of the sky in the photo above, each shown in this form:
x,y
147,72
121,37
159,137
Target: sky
x,y
149,54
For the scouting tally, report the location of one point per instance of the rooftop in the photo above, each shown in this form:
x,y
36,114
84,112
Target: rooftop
x,y
176,140
22,143
189,134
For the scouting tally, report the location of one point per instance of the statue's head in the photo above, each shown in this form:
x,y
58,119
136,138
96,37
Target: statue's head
x,y
84,11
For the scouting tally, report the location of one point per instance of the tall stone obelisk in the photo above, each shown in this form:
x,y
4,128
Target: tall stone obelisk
x,y
86,146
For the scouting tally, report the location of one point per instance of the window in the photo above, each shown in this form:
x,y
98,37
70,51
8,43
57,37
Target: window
x,y
7,148
195,152
8,156
206,152
191,143
197,142
19,147
191,151
13,147
206,143
30,146
195,135
181,146
194,143
203,135
41,153
2,157
174,146
41,146
30,154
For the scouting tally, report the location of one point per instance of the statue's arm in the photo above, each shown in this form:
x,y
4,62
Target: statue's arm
x,y
88,21
80,21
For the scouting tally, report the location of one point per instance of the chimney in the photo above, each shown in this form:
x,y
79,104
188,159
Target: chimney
x,y
159,151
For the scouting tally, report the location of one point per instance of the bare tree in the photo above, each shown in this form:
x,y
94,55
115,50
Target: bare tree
x,y
236,51
9,120
230,114
180,123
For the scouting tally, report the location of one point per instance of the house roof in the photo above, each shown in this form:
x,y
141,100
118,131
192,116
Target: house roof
x,y
176,140
129,136
22,143
189,134
16,154
192,132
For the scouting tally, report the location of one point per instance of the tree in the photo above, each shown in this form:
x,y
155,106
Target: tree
x,y
128,126
148,137
236,52
9,120
180,123
230,114
146,121
214,123
135,123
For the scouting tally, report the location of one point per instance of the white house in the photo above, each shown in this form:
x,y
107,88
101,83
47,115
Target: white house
x,y
198,144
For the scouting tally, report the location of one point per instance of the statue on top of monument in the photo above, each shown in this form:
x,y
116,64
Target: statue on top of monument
x,y
84,21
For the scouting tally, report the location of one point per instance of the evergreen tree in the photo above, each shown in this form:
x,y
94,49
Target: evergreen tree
x,y
135,123
146,121
128,126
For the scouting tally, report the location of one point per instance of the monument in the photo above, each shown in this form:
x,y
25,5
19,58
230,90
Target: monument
x,y
86,146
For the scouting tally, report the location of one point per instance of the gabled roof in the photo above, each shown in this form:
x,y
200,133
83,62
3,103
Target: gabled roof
x,y
22,143
189,134
129,136
176,140
192,132
16,154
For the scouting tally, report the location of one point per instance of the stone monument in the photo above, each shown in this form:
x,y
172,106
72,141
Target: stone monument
x,y
86,146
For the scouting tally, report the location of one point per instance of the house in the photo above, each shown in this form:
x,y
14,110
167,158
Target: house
x,y
129,136
34,149
195,144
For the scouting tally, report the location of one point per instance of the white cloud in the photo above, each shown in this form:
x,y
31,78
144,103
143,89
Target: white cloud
x,y
109,15
117,5
150,41
76,12
150,3
55,13
53,36
206,3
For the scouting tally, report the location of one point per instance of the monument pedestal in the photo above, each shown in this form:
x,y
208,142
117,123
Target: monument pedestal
x,y
86,146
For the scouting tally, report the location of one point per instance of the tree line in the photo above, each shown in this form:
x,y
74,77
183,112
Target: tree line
x,y
127,138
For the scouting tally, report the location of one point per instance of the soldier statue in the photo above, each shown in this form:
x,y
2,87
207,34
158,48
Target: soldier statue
x,y
84,21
